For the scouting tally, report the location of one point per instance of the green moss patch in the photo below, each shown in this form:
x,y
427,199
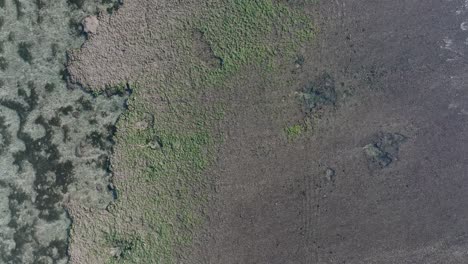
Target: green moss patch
x,y
166,139
242,32
294,131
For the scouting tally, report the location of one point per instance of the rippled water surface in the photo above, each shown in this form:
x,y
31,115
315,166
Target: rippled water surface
x,y
54,140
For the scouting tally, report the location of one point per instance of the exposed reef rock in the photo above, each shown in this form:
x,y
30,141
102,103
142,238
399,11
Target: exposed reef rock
x,y
90,24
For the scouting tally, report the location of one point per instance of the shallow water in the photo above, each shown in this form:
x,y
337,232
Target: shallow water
x,y
54,140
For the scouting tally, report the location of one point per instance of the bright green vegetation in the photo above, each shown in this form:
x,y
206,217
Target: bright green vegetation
x,y
294,131
241,32
166,139
168,188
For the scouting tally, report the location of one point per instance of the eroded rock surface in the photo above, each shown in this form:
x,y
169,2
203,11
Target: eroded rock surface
x,y
90,24
127,46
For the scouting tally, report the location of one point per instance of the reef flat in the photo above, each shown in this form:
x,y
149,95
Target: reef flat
x,y
54,139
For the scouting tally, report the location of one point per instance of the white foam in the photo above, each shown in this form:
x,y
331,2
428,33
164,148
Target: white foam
x,y
464,26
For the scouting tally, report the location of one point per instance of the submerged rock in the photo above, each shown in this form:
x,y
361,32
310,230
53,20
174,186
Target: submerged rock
x,y
383,149
39,171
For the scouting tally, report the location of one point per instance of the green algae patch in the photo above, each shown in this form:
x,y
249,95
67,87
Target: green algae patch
x,y
242,32
166,153
168,138
294,131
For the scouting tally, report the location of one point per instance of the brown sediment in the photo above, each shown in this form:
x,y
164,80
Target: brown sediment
x,y
376,173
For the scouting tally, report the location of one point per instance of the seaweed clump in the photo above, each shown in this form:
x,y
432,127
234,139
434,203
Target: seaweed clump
x,y
24,51
383,150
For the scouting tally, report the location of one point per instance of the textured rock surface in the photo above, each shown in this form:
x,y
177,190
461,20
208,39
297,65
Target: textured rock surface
x,y
90,24
395,68
128,43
